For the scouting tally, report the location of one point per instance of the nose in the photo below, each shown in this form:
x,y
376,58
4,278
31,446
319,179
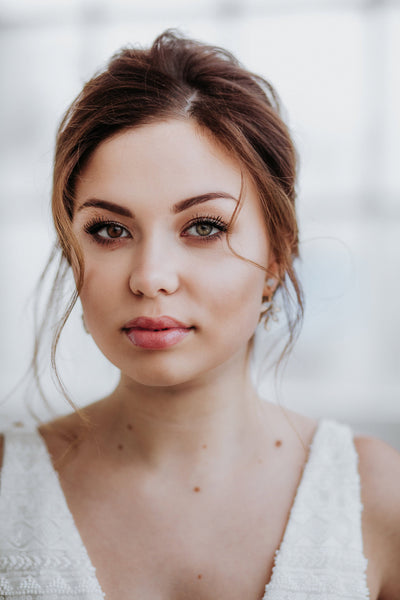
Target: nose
x,y
154,270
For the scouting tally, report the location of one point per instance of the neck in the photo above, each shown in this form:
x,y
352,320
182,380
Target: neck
x,y
180,424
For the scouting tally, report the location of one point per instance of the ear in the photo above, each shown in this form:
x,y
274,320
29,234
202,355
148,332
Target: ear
x,y
272,280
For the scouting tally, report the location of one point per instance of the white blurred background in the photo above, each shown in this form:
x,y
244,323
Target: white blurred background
x,y
335,64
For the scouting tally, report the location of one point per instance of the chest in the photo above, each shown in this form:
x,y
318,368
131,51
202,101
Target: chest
x,y
204,544
172,542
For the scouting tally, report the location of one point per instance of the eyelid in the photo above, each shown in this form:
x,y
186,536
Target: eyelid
x,y
218,219
102,222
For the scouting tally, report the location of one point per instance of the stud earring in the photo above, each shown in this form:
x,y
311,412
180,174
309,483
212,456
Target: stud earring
x,y
84,324
271,282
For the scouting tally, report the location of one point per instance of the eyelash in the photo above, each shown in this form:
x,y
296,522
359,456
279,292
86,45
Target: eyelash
x,y
95,225
216,222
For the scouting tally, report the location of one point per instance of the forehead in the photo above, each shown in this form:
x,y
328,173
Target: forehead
x,y
168,159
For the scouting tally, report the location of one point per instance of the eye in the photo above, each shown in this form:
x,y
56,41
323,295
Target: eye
x,y
106,231
206,227
202,229
112,230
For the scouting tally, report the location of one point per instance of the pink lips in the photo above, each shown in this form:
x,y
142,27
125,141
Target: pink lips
x,y
154,334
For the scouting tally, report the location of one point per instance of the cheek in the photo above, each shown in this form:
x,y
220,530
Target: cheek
x,y
242,279
235,295
101,286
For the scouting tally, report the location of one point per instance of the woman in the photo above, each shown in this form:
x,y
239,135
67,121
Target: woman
x,y
173,202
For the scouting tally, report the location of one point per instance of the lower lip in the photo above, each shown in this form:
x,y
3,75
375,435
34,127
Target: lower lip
x,y
155,340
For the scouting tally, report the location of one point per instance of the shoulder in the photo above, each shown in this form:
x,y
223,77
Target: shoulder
x,y
379,468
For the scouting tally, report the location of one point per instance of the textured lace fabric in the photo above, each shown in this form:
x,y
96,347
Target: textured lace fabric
x,y
42,556
321,555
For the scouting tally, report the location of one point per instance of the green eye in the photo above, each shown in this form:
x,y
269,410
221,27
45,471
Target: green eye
x,y
203,229
210,227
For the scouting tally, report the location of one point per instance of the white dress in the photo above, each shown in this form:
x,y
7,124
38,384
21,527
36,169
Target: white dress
x,y
42,556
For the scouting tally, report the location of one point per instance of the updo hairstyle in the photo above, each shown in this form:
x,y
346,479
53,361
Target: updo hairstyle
x,y
179,78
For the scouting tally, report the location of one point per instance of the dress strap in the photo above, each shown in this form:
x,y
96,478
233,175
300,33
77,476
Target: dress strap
x,y
23,453
41,552
321,555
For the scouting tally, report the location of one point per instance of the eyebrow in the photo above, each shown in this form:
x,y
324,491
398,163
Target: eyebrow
x,y
177,208
115,208
185,204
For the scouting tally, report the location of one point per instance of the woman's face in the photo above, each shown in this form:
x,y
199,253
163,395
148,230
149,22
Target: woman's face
x,y
164,297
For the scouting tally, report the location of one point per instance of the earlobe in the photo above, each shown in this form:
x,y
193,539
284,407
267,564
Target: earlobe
x,y
269,308
270,287
271,282
272,279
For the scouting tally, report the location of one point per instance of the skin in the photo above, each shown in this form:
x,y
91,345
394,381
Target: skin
x,y
184,445
163,269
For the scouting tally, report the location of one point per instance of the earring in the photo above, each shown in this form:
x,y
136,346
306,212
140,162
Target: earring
x,y
269,311
84,324
271,282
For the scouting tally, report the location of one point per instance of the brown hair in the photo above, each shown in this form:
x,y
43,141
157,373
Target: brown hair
x,y
182,78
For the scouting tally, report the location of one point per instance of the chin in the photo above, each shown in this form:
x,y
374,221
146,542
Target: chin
x,y
174,367
158,378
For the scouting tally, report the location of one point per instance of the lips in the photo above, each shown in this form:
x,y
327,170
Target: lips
x,y
155,324
155,334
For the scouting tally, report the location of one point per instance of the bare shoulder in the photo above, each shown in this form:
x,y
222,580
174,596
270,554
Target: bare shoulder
x,y
302,426
62,438
379,468
68,435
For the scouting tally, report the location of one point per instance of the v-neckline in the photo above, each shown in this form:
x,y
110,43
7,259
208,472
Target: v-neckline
x,y
294,507
294,504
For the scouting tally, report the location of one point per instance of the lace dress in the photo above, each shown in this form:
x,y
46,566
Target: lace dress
x,y
42,556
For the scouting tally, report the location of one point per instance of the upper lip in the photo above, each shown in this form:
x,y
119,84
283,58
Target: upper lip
x,y
154,324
